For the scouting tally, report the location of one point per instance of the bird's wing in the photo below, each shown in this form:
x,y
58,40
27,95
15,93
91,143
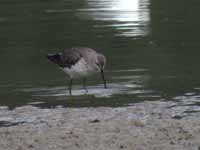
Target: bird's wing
x,y
71,57
88,54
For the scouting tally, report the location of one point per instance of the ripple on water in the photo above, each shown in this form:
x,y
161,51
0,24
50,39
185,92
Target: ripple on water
x,y
96,91
130,17
3,19
49,11
129,70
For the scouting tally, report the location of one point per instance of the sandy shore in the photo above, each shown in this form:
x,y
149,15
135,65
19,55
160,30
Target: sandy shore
x,y
143,126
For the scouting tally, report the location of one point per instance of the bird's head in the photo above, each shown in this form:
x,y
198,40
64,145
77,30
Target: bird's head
x,y
56,58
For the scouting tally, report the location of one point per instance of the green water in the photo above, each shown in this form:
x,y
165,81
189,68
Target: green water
x,y
152,48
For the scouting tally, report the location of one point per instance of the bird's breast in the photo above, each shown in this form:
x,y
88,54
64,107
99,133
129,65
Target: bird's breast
x,y
80,69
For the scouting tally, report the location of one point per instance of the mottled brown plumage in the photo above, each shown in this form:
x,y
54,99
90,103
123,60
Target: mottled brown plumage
x,y
79,63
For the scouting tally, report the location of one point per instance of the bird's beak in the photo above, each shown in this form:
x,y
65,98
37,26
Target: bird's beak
x,y
104,81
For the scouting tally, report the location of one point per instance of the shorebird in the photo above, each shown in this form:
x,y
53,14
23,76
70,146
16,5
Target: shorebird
x,y
79,63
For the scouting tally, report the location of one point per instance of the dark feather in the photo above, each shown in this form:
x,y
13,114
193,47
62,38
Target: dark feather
x,y
56,58
71,57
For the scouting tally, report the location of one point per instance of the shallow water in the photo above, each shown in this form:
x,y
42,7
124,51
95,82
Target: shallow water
x,y
152,48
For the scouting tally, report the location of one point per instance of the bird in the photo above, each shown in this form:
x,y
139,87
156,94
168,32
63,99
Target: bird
x,y
79,63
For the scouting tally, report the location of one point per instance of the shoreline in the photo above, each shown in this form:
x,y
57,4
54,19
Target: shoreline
x,y
146,125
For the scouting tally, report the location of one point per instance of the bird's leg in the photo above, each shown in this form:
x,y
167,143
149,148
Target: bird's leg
x,y
104,81
84,85
70,86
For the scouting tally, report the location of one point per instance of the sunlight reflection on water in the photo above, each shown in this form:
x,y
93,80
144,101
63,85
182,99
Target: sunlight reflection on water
x,y
124,85
97,91
130,17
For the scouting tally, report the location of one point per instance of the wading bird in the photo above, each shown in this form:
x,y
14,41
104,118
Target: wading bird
x,y
79,63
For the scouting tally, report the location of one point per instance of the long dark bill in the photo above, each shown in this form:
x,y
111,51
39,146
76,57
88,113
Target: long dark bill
x,y
104,81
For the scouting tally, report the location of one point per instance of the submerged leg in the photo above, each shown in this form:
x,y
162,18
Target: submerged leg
x,y
84,85
70,86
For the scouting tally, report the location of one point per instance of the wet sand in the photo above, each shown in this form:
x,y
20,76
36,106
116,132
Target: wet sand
x,y
142,126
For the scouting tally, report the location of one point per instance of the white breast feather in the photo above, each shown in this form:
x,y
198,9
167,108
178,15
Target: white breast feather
x,y
78,70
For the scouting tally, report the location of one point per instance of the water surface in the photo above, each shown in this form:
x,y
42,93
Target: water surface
x,y
152,49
